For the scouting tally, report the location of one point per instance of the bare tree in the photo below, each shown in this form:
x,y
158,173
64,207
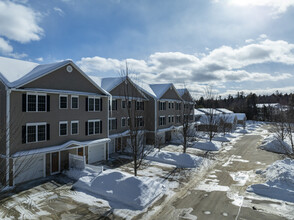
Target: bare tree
x,y
187,120
224,123
136,122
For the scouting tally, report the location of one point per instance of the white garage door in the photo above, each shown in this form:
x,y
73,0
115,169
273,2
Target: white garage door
x,y
28,168
111,147
96,153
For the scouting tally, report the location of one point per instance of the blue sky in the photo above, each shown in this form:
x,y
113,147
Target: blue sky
x,y
232,45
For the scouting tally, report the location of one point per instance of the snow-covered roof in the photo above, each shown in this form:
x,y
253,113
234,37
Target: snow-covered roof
x,y
111,82
225,111
160,89
209,111
59,147
16,73
241,116
227,118
144,87
274,105
197,112
181,92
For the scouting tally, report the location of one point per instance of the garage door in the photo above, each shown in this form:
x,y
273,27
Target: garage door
x,y
111,146
28,168
96,153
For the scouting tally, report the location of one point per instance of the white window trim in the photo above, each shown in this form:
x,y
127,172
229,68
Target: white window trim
x,y
73,122
125,122
36,94
159,120
93,97
36,125
93,120
111,125
66,101
74,96
63,122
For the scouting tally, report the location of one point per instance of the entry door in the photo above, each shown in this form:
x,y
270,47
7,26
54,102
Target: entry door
x,y
55,162
81,151
117,144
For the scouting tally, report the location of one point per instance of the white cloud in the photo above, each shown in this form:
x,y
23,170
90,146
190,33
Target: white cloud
x,y
59,11
40,59
223,64
277,6
5,48
19,22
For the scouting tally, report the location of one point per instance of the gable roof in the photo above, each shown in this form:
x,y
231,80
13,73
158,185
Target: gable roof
x,y
225,111
112,82
209,111
16,73
183,91
160,89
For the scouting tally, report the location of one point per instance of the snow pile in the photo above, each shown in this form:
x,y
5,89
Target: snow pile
x,y
271,143
122,189
242,131
208,146
89,170
280,181
221,139
175,158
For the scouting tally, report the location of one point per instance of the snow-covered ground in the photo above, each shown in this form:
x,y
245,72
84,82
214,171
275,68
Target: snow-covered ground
x,y
175,158
279,181
273,144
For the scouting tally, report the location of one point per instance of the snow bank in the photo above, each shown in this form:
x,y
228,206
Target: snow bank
x,y
175,158
280,181
242,131
208,146
123,189
89,170
271,143
221,139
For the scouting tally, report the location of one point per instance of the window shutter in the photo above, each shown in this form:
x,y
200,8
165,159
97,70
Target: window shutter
x,y
100,127
100,104
86,127
24,131
87,100
24,102
48,103
48,132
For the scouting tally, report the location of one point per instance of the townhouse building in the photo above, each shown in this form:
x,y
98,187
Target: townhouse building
x,y
48,112
128,105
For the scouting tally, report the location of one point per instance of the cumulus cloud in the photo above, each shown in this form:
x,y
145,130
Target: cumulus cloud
x,y
223,64
5,48
59,11
277,6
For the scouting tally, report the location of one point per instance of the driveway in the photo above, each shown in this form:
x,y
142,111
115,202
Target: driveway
x,y
221,192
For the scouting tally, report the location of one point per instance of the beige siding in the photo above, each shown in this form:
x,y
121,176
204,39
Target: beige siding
x,y
171,94
19,118
63,80
120,90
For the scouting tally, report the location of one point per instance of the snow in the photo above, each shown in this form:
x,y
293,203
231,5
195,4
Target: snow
x,y
279,181
240,116
271,143
207,146
89,171
225,111
175,158
121,189
12,69
110,83
160,89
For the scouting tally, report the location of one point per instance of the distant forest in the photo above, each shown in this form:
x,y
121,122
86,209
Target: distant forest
x,y
242,103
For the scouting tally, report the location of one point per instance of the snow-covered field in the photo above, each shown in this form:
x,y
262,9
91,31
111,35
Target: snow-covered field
x,y
279,181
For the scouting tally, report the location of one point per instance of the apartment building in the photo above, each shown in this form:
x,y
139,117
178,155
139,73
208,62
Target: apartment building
x,y
48,112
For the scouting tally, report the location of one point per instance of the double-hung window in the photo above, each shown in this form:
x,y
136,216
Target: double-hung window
x,y
36,102
74,127
63,101
162,106
123,122
112,124
140,105
36,132
114,105
62,128
162,120
94,127
140,121
74,102
123,103
94,104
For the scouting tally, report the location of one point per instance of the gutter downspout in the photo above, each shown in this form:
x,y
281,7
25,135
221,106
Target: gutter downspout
x,y
8,92
109,99
155,125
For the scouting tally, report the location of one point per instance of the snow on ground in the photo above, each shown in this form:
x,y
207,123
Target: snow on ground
x,y
121,189
207,146
279,181
271,143
174,158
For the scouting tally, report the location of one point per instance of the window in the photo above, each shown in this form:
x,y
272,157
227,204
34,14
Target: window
x,y
129,104
62,128
74,102
93,104
74,127
36,103
94,127
123,103
169,105
35,132
112,124
123,122
172,118
169,119
178,106
139,105
162,120
178,119
63,101
114,105
140,122
162,106
172,105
